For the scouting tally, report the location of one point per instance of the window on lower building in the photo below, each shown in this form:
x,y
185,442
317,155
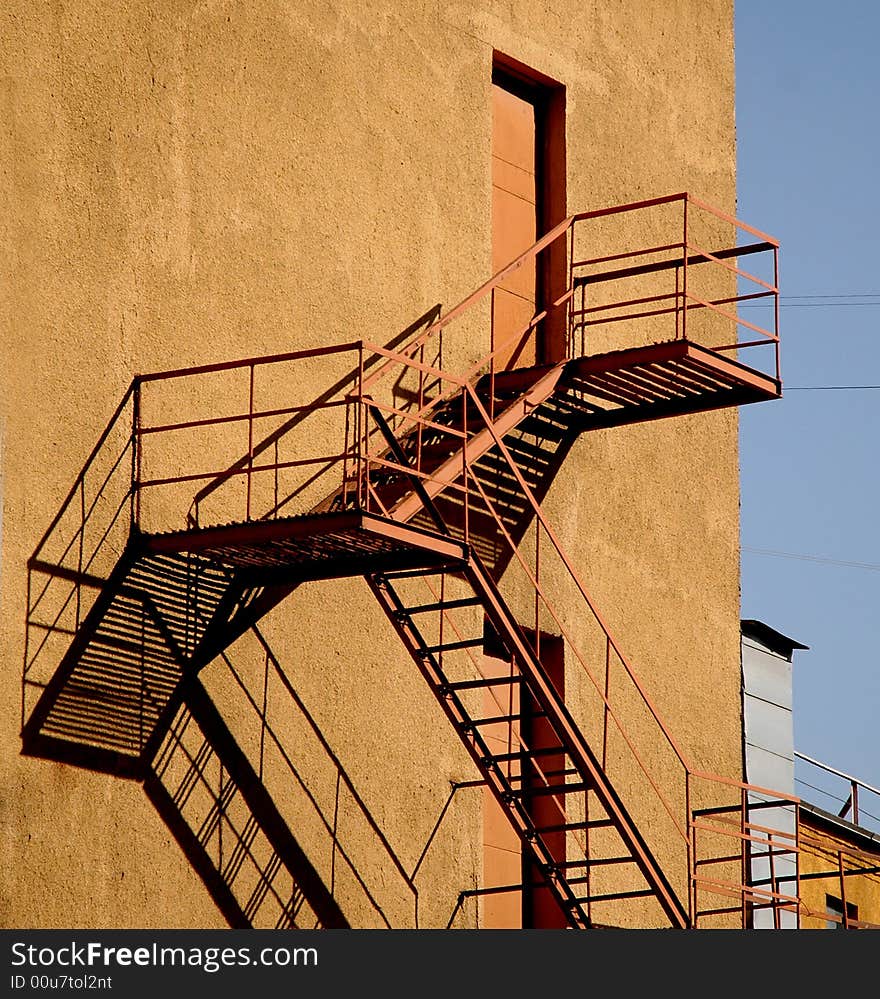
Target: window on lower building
x,y
834,910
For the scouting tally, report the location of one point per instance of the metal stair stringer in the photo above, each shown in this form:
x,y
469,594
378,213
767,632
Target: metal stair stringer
x,y
508,774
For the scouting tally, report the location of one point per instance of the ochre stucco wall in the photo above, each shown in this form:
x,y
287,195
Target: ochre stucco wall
x,y
820,851
188,183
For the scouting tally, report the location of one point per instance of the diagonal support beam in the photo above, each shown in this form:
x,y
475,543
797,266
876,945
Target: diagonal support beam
x,y
483,441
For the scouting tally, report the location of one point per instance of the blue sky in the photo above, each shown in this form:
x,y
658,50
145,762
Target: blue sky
x,y
808,134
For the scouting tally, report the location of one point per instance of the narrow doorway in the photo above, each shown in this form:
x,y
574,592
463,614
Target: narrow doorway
x,y
526,903
528,198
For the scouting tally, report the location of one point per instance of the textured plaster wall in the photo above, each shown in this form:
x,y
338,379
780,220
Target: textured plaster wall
x,y
819,855
190,182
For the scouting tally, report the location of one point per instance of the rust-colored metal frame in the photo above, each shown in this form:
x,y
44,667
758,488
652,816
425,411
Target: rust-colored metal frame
x,y
368,409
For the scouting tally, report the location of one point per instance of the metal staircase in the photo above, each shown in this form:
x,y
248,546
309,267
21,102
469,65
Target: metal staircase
x,y
562,768
425,478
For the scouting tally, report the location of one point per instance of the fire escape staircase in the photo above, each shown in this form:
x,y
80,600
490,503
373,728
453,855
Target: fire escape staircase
x,y
438,498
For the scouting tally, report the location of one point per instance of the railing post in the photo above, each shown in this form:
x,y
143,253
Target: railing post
x,y
691,868
538,588
605,707
358,429
82,535
774,887
493,357
136,447
797,864
854,796
776,308
744,848
588,868
250,440
677,302
692,836
569,350
421,405
684,287
464,463
345,447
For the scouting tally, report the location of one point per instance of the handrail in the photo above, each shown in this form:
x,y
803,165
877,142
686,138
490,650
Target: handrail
x,y
539,513
851,805
561,228
837,773
480,293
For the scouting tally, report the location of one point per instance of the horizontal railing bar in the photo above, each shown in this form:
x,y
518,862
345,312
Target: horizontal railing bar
x,y
247,362
748,343
731,300
738,271
708,883
329,460
667,265
598,213
734,319
733,221
837,773
239,418
627,254
778,799
719,912
734,834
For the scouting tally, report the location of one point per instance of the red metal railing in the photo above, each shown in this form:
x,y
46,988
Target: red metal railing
x,y
662,789
861,804
252,440
687,227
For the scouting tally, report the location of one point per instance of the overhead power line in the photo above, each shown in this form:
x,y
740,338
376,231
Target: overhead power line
x,y
825,301
873,566
806,305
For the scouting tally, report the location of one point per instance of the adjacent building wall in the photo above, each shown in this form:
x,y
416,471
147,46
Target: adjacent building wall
x,y
768,741
824,838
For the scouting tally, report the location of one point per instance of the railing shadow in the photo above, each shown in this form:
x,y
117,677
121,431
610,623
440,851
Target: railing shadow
x,y
229,828
299,768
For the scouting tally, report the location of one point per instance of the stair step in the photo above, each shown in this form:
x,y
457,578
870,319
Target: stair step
x,y
442,605
615,895
570,772
410,574
523,755
497,719
575,826
554,789
597,862
466,643
495,681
